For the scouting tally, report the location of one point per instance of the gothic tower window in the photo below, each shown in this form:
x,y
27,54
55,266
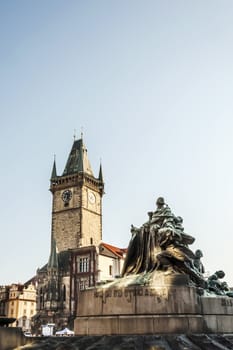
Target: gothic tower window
x,y
84,264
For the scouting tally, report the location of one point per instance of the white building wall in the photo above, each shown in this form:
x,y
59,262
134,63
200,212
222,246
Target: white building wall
x,y
108,267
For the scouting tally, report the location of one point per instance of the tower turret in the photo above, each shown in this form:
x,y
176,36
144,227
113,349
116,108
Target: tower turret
x,y
51,298
101,181
53,258
54,170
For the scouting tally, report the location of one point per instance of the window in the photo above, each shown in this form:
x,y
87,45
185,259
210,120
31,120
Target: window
x,y
64,293
110,270
41,297
83,264
83,284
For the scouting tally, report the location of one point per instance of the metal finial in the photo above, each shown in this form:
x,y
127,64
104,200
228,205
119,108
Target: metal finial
x,y
82,132
74,134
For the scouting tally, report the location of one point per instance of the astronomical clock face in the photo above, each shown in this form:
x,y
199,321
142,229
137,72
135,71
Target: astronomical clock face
x,y
66,196
91,197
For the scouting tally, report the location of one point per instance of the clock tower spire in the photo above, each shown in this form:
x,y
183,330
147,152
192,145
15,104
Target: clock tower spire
x,y
77,202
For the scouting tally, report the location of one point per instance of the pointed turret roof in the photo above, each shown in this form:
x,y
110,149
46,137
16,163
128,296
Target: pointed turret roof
x,y
78,160
100,174
54,170
53,259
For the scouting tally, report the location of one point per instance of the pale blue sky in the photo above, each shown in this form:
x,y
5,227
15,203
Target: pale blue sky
x,y
151,83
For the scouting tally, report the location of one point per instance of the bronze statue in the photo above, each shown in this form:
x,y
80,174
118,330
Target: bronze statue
x,y
197,261
218,287
161,244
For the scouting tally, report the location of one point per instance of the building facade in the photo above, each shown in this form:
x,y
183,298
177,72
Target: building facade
x,y
78,257
19,301
4,300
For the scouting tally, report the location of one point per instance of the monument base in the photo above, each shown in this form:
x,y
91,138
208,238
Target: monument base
x,y
139,324
172,307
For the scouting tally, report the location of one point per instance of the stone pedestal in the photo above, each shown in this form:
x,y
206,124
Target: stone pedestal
x,y
12,337
171,307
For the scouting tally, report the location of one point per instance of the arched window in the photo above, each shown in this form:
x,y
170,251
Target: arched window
x,y
64,293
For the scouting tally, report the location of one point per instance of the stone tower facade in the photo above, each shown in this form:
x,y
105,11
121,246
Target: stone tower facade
x,y
78,257
77,202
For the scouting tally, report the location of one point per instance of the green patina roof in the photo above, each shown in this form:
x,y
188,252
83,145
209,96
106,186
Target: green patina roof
x,y
54,170
78,160
100,174
53,259
62,261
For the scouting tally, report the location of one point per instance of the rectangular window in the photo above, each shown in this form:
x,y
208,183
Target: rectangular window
x,y
83,264
110,270
83,284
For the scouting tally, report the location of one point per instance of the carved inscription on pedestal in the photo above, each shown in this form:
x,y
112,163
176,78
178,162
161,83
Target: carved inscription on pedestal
x,y
128,294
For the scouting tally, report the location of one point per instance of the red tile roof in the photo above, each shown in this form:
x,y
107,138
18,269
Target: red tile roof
x,y
115,250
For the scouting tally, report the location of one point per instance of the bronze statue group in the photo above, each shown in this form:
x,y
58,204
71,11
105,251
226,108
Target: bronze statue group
x,y
161,244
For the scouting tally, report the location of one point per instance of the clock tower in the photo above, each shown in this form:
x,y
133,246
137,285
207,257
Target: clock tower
x,y
77,202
